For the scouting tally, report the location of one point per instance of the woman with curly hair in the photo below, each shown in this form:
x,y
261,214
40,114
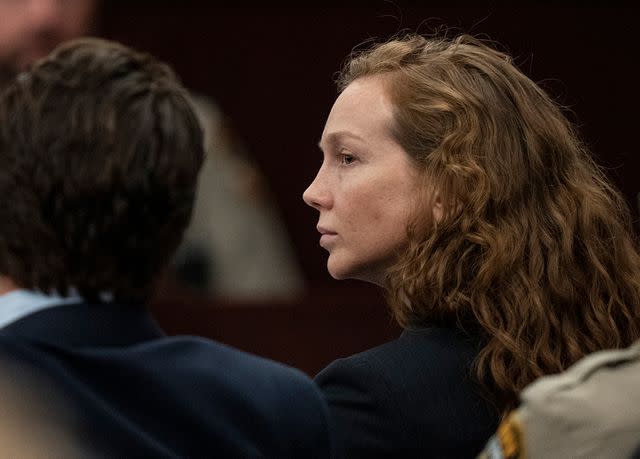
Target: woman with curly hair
x,y
458,185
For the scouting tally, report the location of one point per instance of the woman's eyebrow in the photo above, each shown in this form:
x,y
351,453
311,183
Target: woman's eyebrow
x,y
333,137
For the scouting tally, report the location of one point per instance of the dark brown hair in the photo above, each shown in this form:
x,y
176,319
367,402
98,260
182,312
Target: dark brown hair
x,y
534,253
99,153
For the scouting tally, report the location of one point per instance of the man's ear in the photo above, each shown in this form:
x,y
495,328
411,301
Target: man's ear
x,y
6,285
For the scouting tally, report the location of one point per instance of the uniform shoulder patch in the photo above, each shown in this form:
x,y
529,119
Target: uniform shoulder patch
x,y
507,443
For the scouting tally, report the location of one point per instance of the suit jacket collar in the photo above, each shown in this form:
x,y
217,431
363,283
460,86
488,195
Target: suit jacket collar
x,y
87,325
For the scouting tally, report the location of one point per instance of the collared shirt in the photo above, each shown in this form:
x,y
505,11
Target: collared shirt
x,y
20,303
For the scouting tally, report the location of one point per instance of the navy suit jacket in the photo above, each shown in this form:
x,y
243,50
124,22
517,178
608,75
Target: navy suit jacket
x,y
137,393
412,397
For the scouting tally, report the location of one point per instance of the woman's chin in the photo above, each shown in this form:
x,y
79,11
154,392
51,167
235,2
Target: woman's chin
x,y
338,270
337,274
341,273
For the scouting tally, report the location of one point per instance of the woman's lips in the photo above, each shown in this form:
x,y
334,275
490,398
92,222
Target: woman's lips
x,y
327,236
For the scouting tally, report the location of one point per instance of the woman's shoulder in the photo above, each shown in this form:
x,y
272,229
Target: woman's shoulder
x,y
417,387
421,361
415,347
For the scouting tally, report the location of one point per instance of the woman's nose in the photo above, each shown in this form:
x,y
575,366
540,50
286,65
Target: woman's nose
x,y
316,195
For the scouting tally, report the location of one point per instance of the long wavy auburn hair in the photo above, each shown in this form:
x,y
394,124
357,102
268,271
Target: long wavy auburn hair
x,y
534,253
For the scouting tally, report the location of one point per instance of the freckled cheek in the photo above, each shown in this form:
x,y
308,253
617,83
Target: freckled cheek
x,y
368,224
389,218
360,210
372,207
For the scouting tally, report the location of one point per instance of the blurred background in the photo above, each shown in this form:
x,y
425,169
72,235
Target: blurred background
x,y
251,273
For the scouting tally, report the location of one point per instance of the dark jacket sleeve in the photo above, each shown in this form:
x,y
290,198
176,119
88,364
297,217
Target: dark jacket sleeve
x,y
363,410
303,418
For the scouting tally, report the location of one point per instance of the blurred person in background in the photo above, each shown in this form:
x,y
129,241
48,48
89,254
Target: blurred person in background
x,y
236,246
100,151
30,29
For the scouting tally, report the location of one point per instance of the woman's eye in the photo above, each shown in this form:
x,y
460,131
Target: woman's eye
x,y
346,159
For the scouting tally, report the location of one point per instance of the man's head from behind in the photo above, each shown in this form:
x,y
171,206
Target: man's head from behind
x,y
99,156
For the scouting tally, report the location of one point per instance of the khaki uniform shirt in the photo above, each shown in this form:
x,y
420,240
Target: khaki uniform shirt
x,y
592,410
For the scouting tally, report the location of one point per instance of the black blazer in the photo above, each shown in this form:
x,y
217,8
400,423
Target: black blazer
x,y
411,397
139,394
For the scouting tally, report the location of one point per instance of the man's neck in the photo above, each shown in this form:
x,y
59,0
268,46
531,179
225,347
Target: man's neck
x,y
7,285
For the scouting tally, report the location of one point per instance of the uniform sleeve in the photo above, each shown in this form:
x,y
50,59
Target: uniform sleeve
x,y
364,414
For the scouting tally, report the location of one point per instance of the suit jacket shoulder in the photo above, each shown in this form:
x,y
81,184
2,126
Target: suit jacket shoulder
x,y
411,397
130,391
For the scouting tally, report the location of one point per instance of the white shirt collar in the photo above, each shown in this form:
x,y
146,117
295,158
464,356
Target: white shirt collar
x,y
20,303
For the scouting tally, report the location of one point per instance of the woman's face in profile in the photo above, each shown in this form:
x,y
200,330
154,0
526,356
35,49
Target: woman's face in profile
x,y
365,187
